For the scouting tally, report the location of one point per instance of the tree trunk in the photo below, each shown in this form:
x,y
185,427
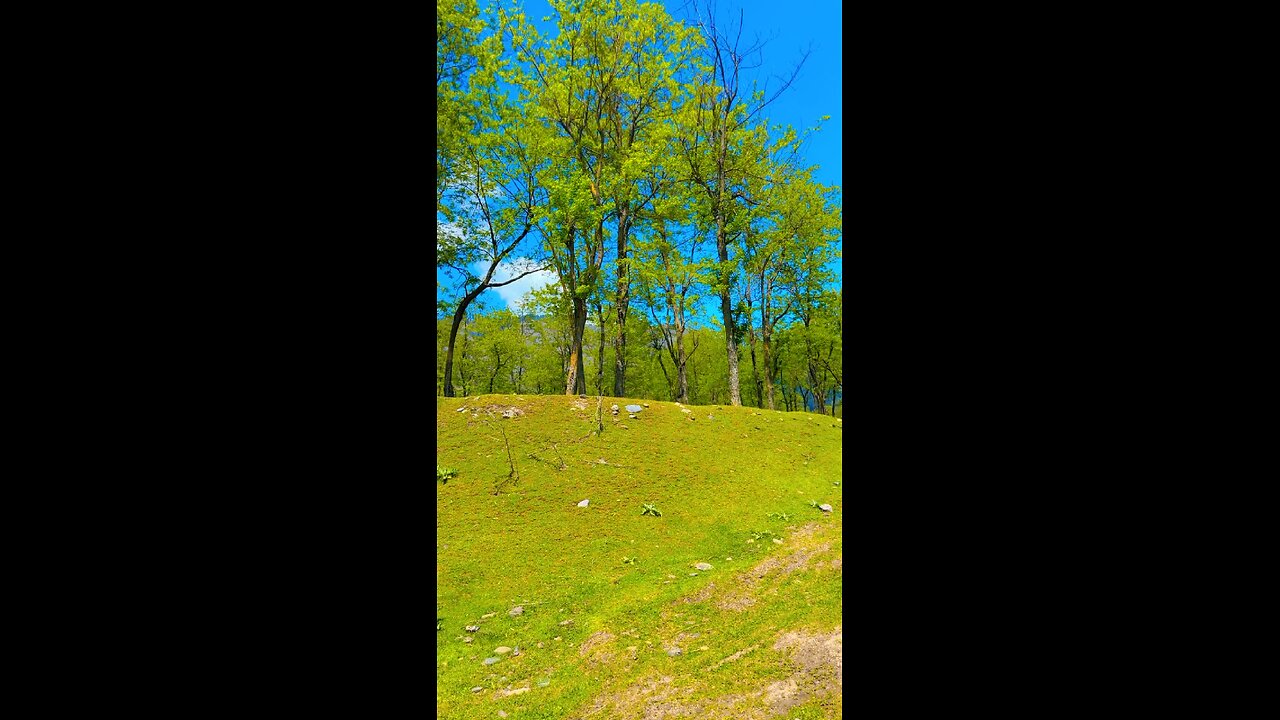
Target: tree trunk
x,y
622,299
726,310
768,367
600,361
573,378
453,337
681,369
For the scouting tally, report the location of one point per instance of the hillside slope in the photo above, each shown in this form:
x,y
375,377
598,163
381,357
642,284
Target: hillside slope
x,y
607,595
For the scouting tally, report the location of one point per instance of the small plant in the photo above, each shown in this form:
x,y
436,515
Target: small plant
x,y
814,504
649,509
439,624
628,561
761,534
443,474
784,517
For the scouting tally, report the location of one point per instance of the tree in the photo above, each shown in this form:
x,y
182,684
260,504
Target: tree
x,y
716,165
496,195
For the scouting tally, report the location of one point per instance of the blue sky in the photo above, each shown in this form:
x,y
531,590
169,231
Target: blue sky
x,y
790,27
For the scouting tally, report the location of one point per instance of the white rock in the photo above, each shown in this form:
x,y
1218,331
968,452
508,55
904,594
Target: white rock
x,y
824,508
502,650
703,566
584,503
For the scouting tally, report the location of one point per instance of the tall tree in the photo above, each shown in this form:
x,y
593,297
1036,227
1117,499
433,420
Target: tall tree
x,y
717,167
495,195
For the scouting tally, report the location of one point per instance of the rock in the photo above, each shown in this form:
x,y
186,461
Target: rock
x,y
472,628
556,638
539,645
703,566
634,408
502,713
693,574
476,689
515,652
674,652
645,404
502,650
567,622
711,417
633,417
516,611
490,660
778,540
584,397
824,508
614,407
584,503
464,407
486,617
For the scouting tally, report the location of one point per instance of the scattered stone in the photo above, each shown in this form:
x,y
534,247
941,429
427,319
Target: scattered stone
x,y
778,540
685,410
490,660
645,404
486,617
584,503
584,397
693,574
703,566
567,622
472,628
825,508
464,407
674,652
466,640
711,417
673,577
556,637
539,646
614,408
476,689
516,611
502,650
515,652
502,713
634,408
633,417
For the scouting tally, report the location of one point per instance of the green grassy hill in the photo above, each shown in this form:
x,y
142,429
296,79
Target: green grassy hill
x,y
606,594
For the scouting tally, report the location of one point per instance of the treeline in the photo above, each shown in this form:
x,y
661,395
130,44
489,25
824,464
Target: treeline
x,y
630,154
528,352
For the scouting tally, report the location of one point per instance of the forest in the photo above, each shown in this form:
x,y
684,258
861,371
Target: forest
x,y
628,157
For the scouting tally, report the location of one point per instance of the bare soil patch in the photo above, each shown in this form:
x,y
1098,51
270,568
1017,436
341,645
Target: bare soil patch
x,y
777,565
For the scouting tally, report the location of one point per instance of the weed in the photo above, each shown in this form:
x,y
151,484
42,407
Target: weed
x,y
649,509
443,474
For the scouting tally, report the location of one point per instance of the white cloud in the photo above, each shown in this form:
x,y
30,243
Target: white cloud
x,y
512,294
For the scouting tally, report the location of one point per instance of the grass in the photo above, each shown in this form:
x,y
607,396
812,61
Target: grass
x,y
625,579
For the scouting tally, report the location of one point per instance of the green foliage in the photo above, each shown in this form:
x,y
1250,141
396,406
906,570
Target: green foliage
x,y
784,517
649,509
443,474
